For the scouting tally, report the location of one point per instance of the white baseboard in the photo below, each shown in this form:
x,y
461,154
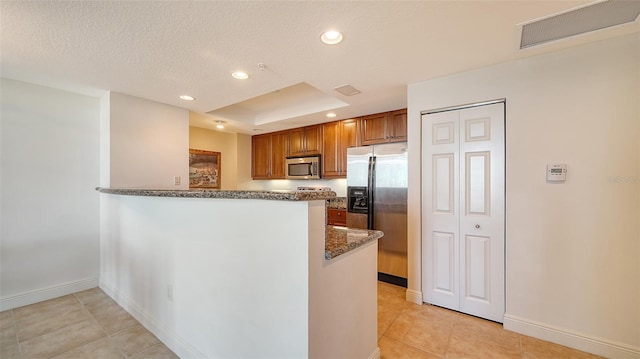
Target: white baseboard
x,y
376,354
179,346
413,296
589,344
40,295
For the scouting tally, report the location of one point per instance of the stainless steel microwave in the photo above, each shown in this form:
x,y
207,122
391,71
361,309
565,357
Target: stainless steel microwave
x,y
303,168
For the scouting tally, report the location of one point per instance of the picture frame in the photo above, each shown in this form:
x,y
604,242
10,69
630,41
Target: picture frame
x,y
204,169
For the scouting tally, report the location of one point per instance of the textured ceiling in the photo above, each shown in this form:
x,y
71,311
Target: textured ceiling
x,y
160,50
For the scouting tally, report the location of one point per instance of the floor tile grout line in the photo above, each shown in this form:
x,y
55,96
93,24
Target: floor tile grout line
x,y
108,336
114,334
411,346
520,344
446,349
390,324
406,310
20,342
15,329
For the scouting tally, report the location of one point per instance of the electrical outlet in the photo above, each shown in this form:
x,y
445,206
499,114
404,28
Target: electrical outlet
x,y
176,180
170,292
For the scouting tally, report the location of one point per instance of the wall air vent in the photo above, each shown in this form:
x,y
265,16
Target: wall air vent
x,y
578,21
347,90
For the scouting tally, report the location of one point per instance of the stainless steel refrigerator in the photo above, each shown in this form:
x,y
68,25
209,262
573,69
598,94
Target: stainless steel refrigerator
x,y
377,199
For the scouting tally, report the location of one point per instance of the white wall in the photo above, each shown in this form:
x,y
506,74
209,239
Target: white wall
x,y
343,309
149,144
50,214
238,290
573,249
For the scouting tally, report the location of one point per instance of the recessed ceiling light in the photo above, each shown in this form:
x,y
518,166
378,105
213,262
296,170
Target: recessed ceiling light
x,y
331,37
220,124
240,75
331,115
187,97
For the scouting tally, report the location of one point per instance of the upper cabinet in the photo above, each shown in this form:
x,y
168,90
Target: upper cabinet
x,y
384,127
337,137
305,141
331,140
398,125
268,153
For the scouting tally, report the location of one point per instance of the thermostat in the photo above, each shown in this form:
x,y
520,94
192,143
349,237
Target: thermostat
x,y
557,172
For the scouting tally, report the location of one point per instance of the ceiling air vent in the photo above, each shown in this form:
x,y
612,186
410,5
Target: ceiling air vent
x,y
589,18
347,90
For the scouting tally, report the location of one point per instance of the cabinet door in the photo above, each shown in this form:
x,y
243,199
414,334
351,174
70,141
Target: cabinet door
x,y
313,140
260,156
397,126
278,154
349,130
331,154
336,217
296,142
374,129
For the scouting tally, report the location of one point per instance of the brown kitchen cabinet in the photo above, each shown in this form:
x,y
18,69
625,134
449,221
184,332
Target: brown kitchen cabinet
x,y
384,127
268,153
305,141
336,217
337,137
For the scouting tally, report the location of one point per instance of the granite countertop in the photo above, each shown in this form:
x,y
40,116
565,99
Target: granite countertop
x,y
276,195
340,240
337,203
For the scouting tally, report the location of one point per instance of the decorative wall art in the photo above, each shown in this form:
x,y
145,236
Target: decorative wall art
x,y
204,169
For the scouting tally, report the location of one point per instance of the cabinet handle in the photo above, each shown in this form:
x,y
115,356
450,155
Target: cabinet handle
x,y
339,214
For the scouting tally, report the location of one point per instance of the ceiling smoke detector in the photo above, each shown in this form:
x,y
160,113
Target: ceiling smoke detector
x,y
347,90
593,17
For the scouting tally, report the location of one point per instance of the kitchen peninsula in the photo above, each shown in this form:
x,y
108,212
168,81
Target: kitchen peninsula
x,y
248,274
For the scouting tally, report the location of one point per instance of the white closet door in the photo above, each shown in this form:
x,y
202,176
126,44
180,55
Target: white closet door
x,y
463,210
441,209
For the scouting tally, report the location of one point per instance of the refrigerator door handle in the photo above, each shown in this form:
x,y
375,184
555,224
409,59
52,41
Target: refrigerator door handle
x,y
370,192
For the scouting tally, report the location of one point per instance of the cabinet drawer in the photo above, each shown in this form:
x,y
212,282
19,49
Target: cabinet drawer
x,y
336,217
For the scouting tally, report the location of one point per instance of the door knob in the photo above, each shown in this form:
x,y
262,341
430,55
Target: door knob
x,y
477,226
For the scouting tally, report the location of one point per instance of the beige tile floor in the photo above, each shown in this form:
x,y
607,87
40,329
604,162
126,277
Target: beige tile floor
x,y
411,331
83,325
89,325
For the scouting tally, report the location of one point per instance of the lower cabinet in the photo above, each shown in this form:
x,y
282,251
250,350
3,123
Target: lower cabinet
x,y
336,217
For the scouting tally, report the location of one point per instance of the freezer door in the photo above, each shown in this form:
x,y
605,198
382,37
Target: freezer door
x,y
358,166
391,165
